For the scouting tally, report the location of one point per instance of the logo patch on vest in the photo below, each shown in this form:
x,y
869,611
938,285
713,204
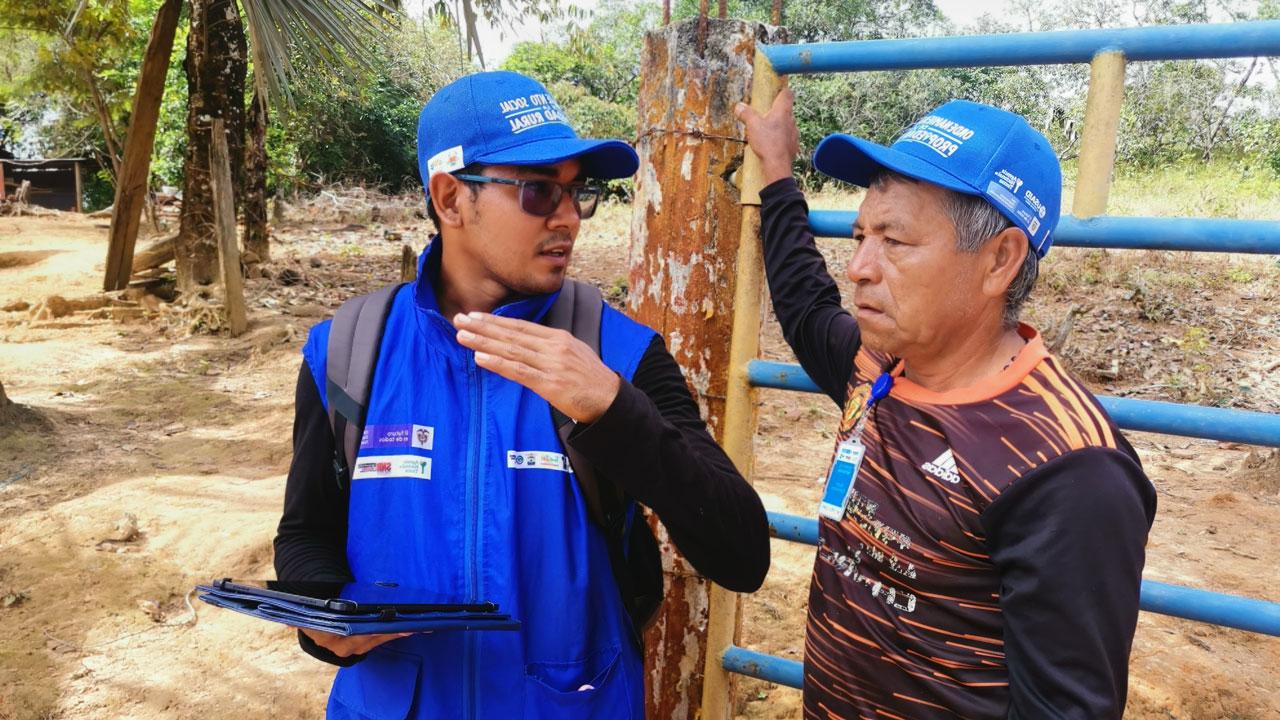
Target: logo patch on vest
x,y
537,460
398,436
392,466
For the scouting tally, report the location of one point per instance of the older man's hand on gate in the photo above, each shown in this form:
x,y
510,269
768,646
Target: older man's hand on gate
x,y
772,136
562,369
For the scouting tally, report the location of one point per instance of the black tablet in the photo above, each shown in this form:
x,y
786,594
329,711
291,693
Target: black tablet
x,y
354,598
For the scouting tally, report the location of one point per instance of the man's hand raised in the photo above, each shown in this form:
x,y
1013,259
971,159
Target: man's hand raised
x,y
772,136
562,369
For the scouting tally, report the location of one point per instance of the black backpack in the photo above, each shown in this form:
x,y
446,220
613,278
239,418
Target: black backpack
x,y
354,341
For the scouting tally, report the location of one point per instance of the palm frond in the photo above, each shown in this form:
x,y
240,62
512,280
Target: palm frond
x,y
329,33
504,15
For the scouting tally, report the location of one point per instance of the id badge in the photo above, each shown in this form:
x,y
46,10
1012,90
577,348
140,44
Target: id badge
x,y
844,470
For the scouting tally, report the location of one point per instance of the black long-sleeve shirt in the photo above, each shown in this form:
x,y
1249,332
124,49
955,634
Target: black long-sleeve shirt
x,y
651,440
979,520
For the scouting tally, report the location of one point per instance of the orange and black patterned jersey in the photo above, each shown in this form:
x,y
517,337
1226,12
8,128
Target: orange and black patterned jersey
x,y
989,560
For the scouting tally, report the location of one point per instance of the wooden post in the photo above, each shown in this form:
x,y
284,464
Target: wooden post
x,y
740,408
75,168
1098,144
408,264
131,182
224,211
686,235
3,194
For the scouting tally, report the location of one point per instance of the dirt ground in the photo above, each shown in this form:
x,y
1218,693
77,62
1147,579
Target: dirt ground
x,y
143,458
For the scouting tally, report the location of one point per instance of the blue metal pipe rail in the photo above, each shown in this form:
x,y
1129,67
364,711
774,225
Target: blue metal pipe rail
x,y
1124,233
765,667
1176,42
1183,42
1232,611
1242,426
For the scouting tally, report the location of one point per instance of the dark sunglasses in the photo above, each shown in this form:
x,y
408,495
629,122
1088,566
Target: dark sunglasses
x,y
541,197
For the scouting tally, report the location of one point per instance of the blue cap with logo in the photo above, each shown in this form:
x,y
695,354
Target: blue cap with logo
x,y
970,148
505,118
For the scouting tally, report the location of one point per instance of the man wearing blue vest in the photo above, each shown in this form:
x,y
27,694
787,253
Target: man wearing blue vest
x,y
488,508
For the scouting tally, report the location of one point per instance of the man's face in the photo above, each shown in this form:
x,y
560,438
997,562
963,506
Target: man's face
x,y
914,290
525,253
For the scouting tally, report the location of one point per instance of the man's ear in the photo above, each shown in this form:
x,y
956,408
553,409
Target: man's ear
x,y
1004,255
446,196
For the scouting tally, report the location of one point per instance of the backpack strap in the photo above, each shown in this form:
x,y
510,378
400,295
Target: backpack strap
x,y
579,309
634,554
354,341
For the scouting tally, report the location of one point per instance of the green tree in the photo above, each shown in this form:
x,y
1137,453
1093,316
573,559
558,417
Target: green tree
x,y
595,71
602,58
464,16
67,74
831,20
360,125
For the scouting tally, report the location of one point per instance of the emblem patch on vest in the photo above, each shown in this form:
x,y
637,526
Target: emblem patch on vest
x,y
421,437
537,460
392,466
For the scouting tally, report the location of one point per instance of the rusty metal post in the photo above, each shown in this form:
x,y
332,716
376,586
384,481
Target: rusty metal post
x,y
685,235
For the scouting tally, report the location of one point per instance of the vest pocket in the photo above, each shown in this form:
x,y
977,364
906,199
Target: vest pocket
x,y
560,690
383,686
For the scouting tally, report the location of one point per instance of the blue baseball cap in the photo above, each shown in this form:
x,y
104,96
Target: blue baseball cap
x,y
505,118
970,148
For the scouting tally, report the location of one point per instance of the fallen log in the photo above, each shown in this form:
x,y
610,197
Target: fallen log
x,y
155,255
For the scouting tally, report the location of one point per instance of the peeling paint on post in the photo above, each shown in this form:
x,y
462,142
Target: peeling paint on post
x,y
685,233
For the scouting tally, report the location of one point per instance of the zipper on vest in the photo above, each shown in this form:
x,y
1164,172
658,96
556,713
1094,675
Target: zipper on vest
x,y
474,460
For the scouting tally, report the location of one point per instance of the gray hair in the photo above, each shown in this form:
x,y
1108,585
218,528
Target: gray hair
x,y
976,220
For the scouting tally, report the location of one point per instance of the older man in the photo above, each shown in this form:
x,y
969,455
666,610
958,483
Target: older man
x,y
983,523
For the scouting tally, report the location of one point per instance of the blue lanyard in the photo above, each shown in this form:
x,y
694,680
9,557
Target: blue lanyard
x,y
879,391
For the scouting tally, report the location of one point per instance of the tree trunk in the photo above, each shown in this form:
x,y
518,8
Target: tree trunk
x,y
256,240
105,122
686,283
216,64
131,180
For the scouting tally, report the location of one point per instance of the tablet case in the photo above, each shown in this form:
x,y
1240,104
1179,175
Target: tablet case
x,y
314,618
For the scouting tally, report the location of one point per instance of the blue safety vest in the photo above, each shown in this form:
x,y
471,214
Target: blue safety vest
x,y
461,486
